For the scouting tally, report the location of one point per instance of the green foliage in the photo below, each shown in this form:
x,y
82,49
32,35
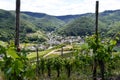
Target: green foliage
x,y
36,37
115,27
78,25
11,51
48,23
49,66
103,49
7,27
42,65
102,53
13,64
81,26
16,65
72,67
57,64
68,63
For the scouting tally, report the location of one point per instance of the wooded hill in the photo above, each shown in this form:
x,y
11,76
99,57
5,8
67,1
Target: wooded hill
x,y
34,24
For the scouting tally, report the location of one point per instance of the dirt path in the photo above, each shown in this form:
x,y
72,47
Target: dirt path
x,y
52,52
58,51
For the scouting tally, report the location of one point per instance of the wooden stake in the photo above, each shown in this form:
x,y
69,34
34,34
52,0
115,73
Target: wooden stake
x,y
96,21
96,33
17,23
37,63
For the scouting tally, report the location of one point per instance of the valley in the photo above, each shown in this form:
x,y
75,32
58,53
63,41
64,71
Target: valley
x,y
59,47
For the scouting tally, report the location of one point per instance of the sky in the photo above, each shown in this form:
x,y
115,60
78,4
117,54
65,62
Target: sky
x,y
61,7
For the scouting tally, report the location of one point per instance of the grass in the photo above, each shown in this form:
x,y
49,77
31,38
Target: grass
x,y
24,45
3,43
52,56
33,55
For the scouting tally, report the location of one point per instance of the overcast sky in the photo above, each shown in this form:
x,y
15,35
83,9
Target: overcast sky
x,y
61,7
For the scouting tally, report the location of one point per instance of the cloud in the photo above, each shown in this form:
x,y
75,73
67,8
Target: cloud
x,y
61,7
7,4
109,5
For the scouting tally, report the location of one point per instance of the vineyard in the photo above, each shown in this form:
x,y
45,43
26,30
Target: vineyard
x,y
76,65
95,59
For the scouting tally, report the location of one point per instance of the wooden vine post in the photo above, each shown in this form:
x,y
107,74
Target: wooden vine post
x,y
37,63
96,33
17,24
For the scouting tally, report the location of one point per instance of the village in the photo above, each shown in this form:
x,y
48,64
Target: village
x,y
54,40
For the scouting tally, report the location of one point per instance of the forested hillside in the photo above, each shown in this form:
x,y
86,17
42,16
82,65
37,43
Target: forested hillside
x,y
38,46
81,26
109,22
70,25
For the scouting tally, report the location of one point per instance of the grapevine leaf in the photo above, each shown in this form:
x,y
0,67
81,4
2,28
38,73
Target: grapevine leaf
x,y
11,52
